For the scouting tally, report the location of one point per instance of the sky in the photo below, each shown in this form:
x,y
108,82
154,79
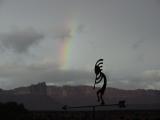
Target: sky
x,y
59,41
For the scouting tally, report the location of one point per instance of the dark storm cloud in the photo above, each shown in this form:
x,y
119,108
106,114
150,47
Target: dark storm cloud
x,y
20,41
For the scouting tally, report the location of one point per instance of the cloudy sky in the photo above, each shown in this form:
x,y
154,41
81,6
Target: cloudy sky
x,y
35,33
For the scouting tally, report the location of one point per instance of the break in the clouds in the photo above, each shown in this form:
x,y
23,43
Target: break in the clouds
x,y
20,40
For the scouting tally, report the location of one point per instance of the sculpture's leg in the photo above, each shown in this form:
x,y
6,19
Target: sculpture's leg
x,y
102,101
98,95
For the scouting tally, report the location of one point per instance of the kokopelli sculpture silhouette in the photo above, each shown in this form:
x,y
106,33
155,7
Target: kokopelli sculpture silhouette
x,y
99,76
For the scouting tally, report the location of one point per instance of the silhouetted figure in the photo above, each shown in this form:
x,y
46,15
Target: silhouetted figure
x,y
99,76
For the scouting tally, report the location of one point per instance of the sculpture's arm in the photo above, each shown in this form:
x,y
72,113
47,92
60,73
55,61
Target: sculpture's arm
x,y
98,81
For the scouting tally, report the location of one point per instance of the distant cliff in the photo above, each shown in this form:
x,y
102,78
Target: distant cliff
x,y
40,89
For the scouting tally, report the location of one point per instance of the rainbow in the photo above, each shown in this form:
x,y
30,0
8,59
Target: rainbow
x,y
67,45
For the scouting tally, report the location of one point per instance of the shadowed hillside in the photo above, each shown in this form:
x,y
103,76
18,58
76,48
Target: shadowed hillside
x,y
42,97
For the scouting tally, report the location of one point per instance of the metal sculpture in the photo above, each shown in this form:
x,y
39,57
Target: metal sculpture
x,y
99,76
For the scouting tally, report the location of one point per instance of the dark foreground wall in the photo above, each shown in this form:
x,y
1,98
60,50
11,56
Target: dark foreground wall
x,y
99,115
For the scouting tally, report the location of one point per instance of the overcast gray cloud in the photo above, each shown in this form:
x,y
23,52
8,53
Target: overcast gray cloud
x,y
1,1
66,32
149,79
125,33
137,44
25,75
62,33
20,41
